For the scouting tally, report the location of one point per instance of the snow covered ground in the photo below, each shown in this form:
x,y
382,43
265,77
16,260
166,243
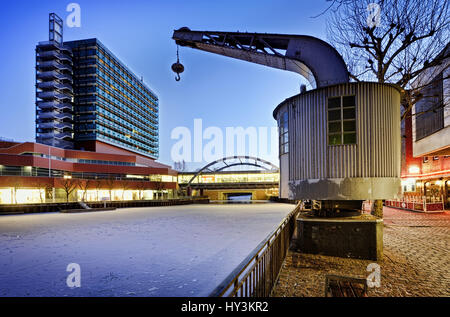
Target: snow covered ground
x,y
159,251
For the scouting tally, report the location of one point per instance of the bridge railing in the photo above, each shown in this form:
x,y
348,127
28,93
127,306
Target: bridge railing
x,y
256,275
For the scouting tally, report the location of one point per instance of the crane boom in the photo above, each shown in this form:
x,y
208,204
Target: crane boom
x,y
314,59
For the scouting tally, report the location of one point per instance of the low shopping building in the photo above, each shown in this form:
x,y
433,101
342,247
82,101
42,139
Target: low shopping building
x,y
426,142
37,173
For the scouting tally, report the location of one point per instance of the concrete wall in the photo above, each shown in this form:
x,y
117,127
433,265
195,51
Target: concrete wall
x,y
359,239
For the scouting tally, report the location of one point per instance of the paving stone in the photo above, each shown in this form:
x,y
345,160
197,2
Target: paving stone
x,y
415,263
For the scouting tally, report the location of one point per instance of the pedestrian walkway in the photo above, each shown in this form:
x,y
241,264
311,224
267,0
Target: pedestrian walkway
x,y
416,260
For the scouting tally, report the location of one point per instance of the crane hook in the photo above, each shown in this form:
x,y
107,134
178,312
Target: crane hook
x,y
177,67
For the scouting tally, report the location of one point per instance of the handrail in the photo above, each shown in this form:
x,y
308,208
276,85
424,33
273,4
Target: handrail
x,y
422,205
256,275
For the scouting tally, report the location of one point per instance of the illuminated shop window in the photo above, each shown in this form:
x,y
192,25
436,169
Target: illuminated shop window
x,y
6,196
342,120
284,133
28,196
409,185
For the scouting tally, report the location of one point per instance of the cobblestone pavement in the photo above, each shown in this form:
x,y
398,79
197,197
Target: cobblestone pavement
x,y
416,260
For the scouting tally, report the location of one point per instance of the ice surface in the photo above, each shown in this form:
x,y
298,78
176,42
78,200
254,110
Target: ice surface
x,y
158,251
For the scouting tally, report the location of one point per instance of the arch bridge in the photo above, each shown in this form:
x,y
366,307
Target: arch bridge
x,y
220,181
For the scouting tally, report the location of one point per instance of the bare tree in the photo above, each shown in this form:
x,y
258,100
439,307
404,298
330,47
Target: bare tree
x,y
159,186
49,191
110,185
125,186
69,185
98,186
408,40
393,41
17,186
84,186
142,186
40,183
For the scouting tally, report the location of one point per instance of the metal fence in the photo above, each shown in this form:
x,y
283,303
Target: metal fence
x,y
420,205
258,273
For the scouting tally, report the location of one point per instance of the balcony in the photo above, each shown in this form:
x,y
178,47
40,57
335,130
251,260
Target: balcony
x,y
52,64
64,125
65,87
54,115
53,55
47,75
47,125
63,57
55,135
50,75
65,144
55,45
46,84
47,54
53,95
54,105
55,125
50,44
54,85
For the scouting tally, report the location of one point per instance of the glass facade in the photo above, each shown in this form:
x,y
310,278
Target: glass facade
x,y
111,104
84,93
429,110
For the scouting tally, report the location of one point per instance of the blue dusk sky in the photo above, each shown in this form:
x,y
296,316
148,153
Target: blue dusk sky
x,y
223,92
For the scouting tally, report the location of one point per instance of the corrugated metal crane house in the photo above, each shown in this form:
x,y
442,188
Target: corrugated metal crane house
x,y
339,142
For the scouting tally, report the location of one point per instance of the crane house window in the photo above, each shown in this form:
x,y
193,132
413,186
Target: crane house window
x,y
341,120
284,134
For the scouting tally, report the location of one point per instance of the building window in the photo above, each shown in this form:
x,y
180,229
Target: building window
x,y
409,188
425,159
435,158
429,110
409,185
342,120
284,134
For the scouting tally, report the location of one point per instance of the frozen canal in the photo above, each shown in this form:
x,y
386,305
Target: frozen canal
x,y
159,251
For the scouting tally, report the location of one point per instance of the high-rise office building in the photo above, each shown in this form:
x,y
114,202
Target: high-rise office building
x,y
96,131
88,99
